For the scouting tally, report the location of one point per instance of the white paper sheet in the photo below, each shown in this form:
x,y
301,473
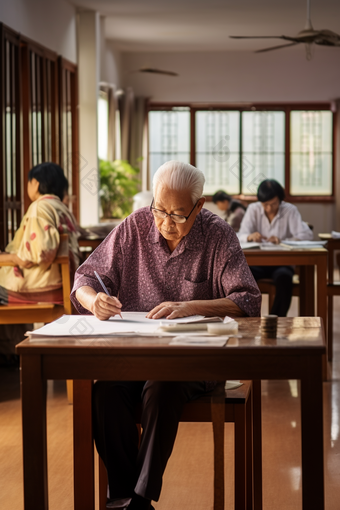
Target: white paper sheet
x,y
249,246
215,341
335,235
87,325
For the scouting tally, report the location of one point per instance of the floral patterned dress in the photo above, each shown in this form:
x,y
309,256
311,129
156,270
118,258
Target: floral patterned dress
x,y
37,240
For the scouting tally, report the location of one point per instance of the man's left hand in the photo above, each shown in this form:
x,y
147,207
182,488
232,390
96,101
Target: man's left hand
x,y
171,310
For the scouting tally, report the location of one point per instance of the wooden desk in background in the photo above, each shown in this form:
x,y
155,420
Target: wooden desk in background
x,y
295,354
333,288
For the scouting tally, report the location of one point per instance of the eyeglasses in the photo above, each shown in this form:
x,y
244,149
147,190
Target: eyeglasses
x,y
177,218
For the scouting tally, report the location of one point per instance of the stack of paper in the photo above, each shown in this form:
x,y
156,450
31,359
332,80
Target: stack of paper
x,y
335,235
304,244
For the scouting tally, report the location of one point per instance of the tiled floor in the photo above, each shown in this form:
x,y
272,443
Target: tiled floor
x,y
188,478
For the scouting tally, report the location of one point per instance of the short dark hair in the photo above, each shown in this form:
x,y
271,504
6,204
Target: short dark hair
x,y
269,189
51,179
221,196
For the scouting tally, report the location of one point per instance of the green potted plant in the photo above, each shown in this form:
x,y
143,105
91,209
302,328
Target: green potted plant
x,y
118,184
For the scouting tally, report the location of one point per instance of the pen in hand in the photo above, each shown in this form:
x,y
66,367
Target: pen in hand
x,y
103,287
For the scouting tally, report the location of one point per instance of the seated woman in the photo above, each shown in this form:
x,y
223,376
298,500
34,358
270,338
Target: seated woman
x,y
234,210
273,220
34,277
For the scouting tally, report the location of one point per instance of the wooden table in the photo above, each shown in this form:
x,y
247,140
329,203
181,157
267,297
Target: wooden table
x,y
307,260
295,354
333,288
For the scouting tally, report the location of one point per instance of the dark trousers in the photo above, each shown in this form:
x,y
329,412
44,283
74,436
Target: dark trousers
x,y
129,468
283,280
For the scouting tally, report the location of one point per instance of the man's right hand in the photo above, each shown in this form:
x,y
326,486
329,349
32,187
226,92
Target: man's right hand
x,y
255,237
103,306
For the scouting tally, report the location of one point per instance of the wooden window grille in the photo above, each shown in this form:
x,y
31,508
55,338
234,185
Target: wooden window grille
x,y
11,208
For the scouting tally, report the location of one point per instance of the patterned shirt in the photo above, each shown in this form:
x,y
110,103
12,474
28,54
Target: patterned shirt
x,y
287,224
137,265
37,240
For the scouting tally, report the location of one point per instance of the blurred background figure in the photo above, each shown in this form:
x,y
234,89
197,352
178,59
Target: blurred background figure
x,y
34,277
234,210
273,220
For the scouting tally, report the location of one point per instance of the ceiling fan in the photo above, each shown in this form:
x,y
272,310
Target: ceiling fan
x,y
152,70
308,36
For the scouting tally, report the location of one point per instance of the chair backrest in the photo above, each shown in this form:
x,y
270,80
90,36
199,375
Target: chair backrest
x,y
63,260
43,312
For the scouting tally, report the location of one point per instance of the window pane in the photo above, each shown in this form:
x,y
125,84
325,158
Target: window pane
x,y
311,152
263,146
169,137
217,150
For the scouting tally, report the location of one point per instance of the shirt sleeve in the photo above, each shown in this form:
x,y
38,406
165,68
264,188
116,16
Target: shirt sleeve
x,y
107,260
299,229
248,225
40,240
238,282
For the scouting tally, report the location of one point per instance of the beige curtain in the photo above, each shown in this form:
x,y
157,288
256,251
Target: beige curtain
x,y
134,133
112,102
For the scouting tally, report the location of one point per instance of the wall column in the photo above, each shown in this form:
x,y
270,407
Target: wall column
x,y
88,79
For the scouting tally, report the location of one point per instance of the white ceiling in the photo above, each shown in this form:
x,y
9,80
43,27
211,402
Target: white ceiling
x,y
205,25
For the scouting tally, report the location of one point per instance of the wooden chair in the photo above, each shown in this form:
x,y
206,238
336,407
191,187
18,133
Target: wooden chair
x,y
267,286
229,406
44,312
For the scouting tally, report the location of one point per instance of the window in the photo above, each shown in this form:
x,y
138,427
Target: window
x,y
263,149
237,148
169,137
311,152
218,148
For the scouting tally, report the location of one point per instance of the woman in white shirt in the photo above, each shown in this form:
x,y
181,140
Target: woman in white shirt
x,y
271,219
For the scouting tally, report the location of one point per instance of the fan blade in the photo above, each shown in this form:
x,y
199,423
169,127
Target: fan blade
x,y
256,36
284,37
276,47
156,71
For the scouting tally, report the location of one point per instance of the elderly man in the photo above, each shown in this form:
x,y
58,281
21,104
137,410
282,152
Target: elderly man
x,y
171,260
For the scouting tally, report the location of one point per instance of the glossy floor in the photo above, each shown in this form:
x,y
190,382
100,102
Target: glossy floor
x,y
188,479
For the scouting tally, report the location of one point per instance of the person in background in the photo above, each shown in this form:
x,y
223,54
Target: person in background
x,y
234,210
34,277
171,259
273,220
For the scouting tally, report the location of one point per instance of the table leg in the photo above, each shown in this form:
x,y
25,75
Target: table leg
x,y
307,291
257,444
217,415
33,403
322,291
83,446
312,434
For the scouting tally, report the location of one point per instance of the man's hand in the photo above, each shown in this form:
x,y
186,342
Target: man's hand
x,y
274,240
171,310
256,237
103,306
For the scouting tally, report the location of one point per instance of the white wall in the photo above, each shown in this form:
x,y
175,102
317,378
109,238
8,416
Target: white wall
x,y
111,68
88,77
50,23
284,75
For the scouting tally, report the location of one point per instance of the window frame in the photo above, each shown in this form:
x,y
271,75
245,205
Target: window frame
x,y
244,107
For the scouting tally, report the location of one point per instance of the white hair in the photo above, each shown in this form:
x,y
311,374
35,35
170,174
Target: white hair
x,y
180,176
